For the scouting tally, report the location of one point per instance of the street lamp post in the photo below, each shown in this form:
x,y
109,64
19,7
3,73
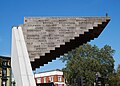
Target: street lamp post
x,y
98,81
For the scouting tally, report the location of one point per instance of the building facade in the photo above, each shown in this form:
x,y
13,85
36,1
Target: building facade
x,y
55,76
5,71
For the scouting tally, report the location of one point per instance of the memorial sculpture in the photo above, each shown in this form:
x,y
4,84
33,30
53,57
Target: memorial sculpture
x,y
41,39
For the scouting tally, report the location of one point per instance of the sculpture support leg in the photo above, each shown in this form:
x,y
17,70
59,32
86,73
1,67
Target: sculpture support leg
x,y
20,62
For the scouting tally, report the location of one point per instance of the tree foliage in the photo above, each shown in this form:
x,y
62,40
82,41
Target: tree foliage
x,y
114,79
86,61
118,70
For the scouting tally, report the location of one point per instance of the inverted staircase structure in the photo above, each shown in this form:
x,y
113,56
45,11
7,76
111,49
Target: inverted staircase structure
x,y
49,37
42,39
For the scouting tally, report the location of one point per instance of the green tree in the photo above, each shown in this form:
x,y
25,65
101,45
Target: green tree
x,y
86,61
118,70
114,79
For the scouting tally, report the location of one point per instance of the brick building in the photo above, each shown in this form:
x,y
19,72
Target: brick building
x,y
55,76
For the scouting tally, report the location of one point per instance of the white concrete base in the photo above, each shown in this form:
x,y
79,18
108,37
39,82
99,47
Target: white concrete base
x,y
20,61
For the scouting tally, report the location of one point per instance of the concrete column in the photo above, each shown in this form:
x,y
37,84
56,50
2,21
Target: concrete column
x,y
20,61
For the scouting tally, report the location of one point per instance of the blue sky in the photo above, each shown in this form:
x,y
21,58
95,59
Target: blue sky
x,y
12,13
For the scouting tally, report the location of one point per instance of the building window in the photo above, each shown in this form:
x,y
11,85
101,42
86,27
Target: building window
x,y
38,80
51,79
44,79
59,78
59,84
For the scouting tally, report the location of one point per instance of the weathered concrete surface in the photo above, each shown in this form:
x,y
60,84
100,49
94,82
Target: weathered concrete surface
x,y
49,37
